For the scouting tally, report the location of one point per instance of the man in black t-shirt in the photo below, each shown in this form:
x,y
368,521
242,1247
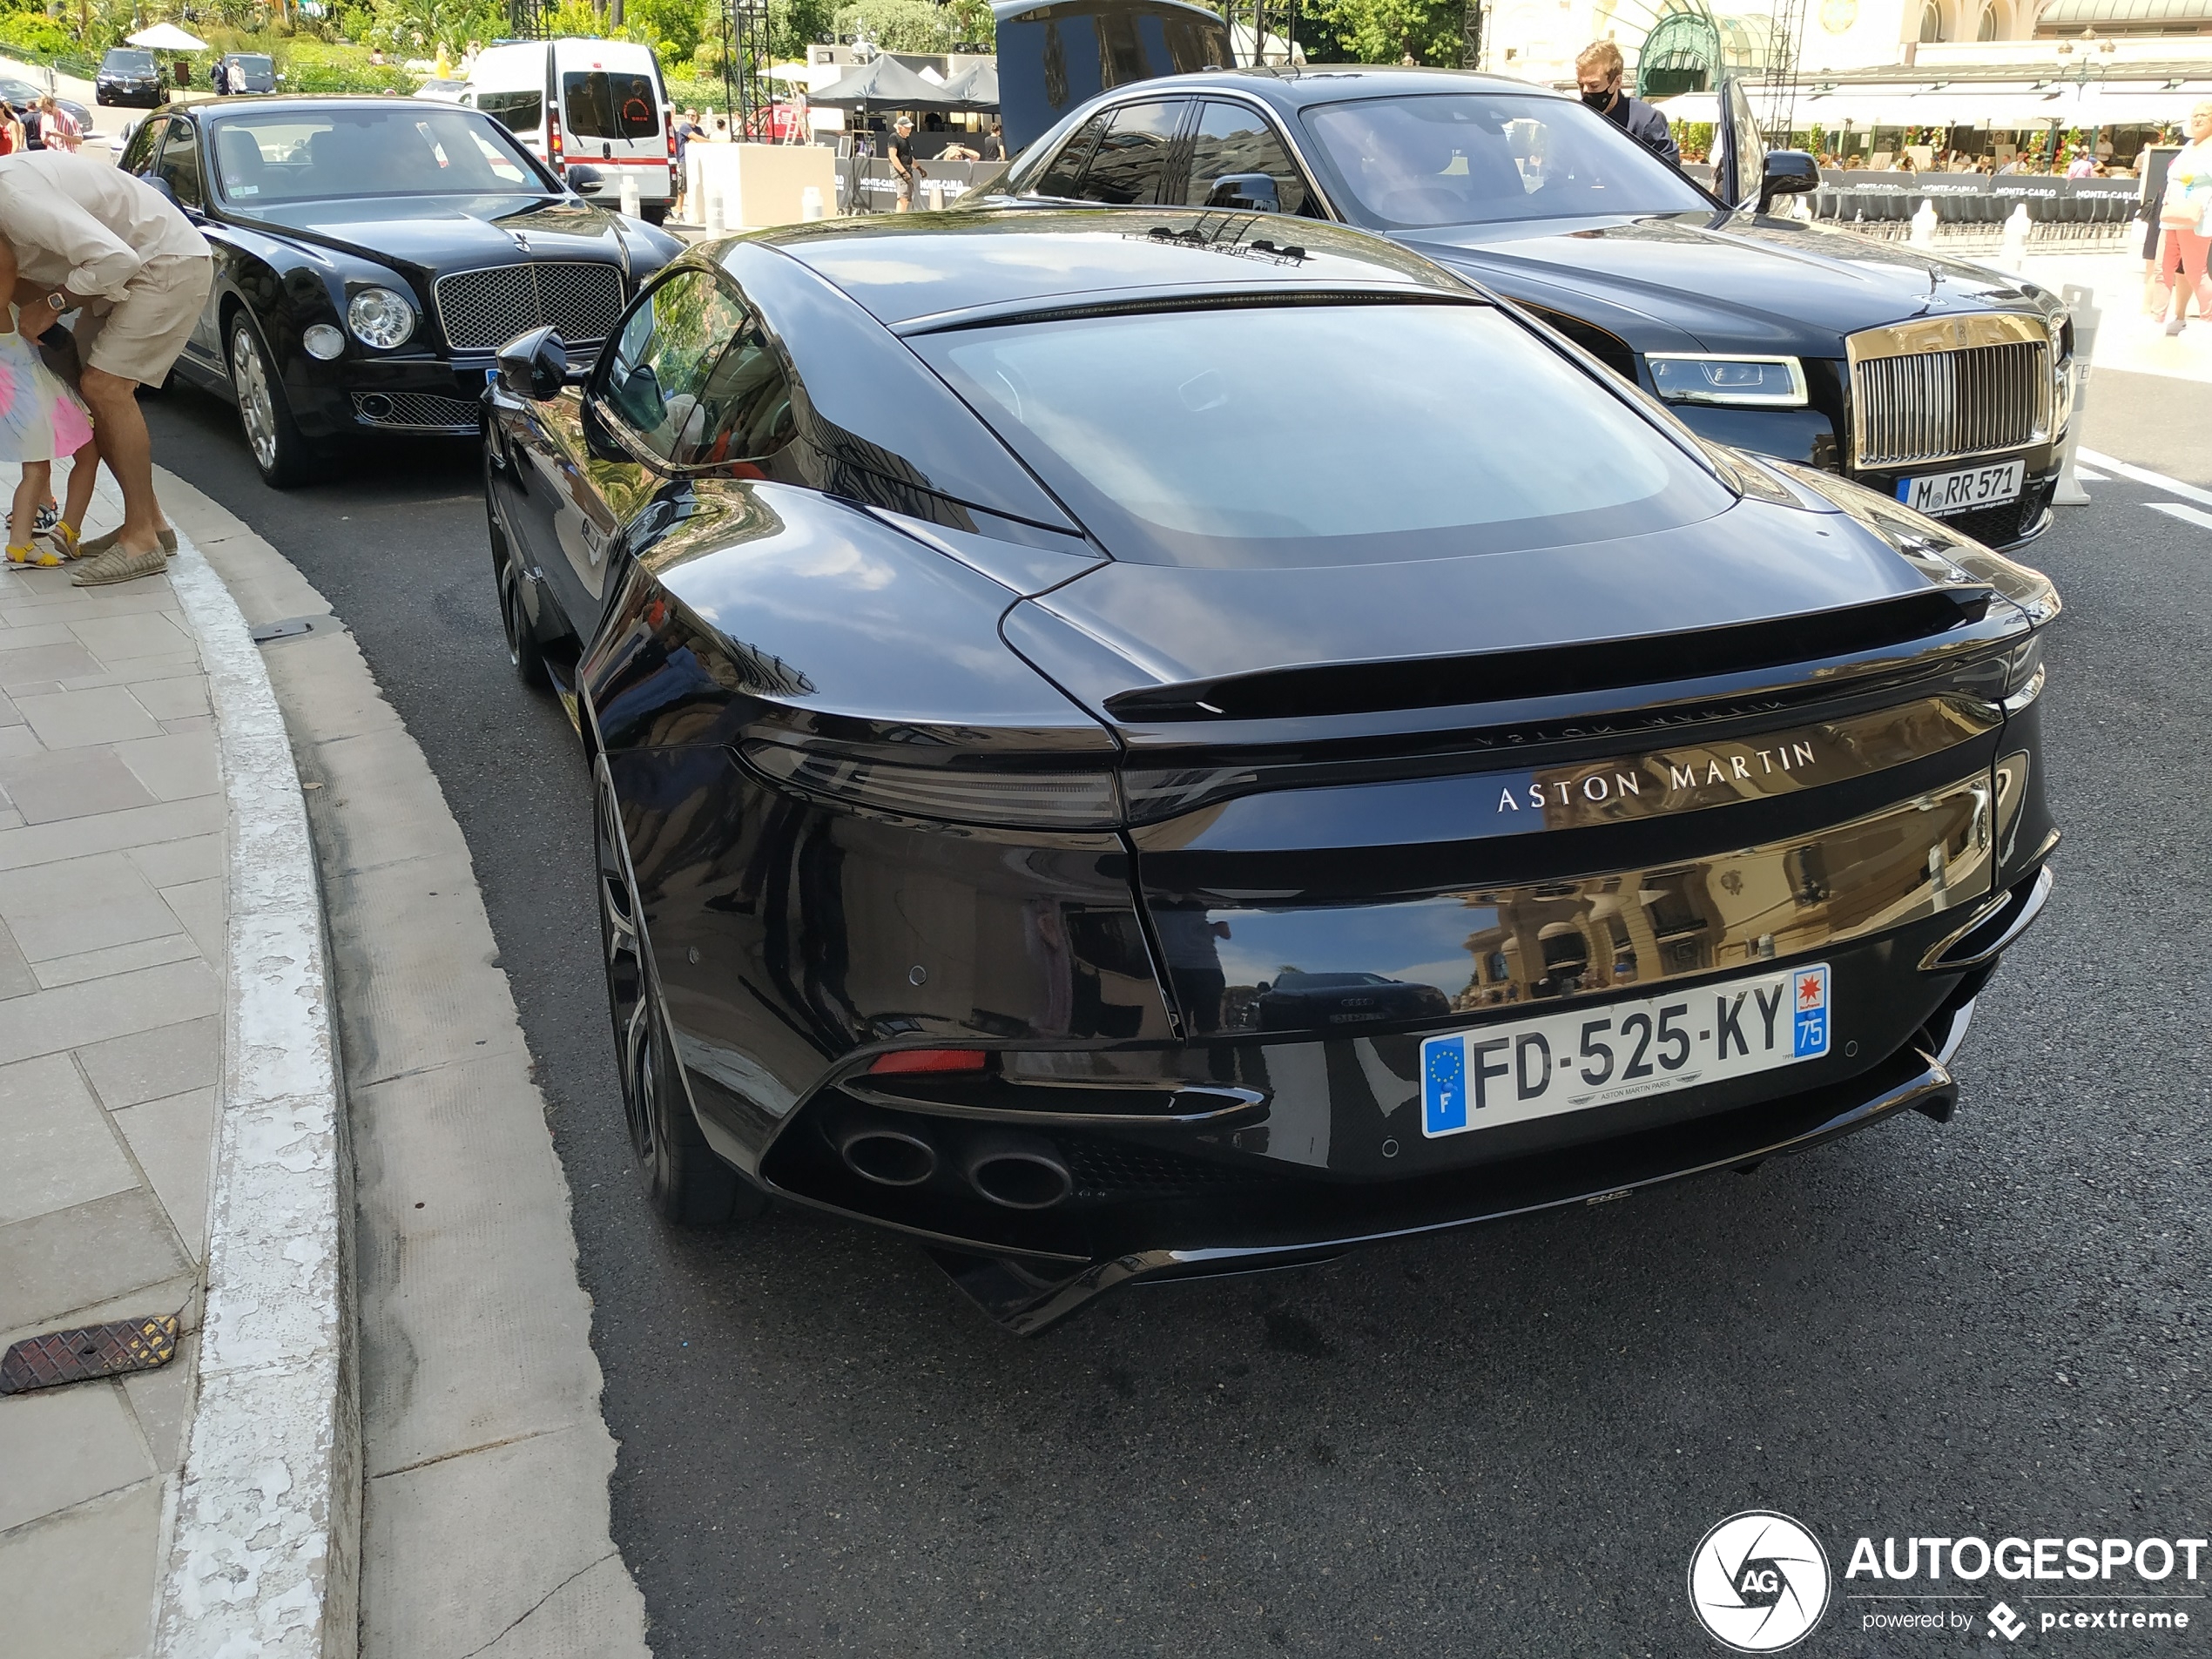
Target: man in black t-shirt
x,y
903,167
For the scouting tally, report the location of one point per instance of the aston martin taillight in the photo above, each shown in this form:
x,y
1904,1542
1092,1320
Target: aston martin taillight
x,y
910,1062
1000,796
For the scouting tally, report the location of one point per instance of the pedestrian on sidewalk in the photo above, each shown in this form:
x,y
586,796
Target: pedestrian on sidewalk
x,y
2185,220
903,167
58,128
40,421
106,244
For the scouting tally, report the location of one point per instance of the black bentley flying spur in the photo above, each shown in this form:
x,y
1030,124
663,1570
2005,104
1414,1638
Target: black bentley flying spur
x,y
371,255
1139,746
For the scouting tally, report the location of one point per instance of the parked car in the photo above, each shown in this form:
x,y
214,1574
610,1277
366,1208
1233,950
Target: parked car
x,y
129,75
22,97
442,92
249,72
595,102
371,255
1039,666
1936,381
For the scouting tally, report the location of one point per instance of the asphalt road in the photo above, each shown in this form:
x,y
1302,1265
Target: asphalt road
x,y
1507,1441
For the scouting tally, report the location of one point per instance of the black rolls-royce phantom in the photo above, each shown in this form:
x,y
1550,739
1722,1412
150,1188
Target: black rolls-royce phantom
x,y
1933,381
371,256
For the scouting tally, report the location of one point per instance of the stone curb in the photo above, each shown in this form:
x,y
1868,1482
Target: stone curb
x,y
264,1554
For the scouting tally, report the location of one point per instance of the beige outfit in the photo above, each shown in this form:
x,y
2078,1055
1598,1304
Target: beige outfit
x,y
111,239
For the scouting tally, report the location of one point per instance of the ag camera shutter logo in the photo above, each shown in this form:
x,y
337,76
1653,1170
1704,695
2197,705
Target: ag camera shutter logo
x,y
1759,1582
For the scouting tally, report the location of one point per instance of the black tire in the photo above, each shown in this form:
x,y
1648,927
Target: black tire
x,y
264,416
526,656
685,1182
654,213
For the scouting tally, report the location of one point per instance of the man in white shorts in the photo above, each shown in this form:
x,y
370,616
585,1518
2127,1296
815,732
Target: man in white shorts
x,y
111,244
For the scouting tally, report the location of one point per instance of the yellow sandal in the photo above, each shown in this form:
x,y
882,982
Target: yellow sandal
x,y
62,537
45,557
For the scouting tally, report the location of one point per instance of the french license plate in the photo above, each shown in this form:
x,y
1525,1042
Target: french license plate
x,y
1961,492
1573,1060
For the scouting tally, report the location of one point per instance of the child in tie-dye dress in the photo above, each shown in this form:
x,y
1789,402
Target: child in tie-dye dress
x,y
40,421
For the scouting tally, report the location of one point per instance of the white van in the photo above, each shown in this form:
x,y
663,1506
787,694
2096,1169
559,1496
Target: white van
x,y
596,103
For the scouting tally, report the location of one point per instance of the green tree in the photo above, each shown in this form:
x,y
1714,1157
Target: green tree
x,y
1383,31
898,25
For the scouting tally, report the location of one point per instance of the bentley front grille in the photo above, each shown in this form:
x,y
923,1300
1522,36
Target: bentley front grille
x,y
1948,389
417,412
483,310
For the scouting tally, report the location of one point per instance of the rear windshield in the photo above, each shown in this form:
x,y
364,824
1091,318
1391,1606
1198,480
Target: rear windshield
x,y
123,63
1475,158
600,105
1314,435
411,149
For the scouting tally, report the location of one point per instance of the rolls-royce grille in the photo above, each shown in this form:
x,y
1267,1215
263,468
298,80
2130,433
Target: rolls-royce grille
x,y
417,412
1946,405
483,310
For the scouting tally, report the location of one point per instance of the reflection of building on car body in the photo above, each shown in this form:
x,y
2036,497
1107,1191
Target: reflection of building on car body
x,y
371,254
596,103
1889,364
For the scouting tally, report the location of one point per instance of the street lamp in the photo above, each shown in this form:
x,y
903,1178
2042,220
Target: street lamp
x,y
2089,50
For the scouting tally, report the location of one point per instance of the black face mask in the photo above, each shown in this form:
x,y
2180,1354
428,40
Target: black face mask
x,y
1599,101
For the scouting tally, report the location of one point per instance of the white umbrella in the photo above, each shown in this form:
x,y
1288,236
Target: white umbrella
x,y
166,38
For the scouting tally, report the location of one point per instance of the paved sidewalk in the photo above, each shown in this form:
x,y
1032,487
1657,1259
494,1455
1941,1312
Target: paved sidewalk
x,y
111,976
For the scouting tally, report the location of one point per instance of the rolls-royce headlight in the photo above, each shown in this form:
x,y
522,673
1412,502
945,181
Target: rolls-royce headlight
x,y
324,340
1754,382
380,318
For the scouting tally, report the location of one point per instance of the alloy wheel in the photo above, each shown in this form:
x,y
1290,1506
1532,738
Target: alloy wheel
x,y
628,986
256,403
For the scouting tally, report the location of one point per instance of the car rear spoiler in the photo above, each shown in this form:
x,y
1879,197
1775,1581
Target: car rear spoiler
x,y
1054,57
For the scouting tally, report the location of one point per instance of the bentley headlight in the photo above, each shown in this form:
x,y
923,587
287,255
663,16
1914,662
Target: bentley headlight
x,y
380,318
1751,382
323,341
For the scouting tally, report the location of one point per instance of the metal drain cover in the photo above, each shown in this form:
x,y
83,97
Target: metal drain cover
x,y
98,1350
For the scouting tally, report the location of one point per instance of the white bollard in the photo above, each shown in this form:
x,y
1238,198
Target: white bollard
x,y
2014,256
712,218
810,202
2082,302
1923,224
932,191
694,188
629,202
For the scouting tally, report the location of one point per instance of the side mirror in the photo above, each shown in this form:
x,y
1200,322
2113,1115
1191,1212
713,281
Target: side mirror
x,y
1787,172
586,181
1252,192
535,366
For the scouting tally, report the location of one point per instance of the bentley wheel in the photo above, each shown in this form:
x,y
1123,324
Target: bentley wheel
x,y
277,447
523,648
684,1181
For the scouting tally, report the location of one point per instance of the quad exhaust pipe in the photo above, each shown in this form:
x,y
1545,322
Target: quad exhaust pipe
x,y
887,1152
1020,1171
1008,1168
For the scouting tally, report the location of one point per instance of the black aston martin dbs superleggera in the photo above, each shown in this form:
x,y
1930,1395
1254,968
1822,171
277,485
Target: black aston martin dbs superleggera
x,y
1145,746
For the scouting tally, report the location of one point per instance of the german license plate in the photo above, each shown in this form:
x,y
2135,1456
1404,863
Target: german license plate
x,y
1961,492
1571,1061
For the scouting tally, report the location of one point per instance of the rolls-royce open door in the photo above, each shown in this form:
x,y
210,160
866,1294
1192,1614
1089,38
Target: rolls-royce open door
x,y
1053,56
1739,149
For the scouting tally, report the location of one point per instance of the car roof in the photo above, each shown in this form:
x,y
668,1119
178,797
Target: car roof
x,y
1299,87
904,268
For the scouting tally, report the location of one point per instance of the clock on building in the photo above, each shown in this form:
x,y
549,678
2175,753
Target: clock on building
x,y
1837,17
